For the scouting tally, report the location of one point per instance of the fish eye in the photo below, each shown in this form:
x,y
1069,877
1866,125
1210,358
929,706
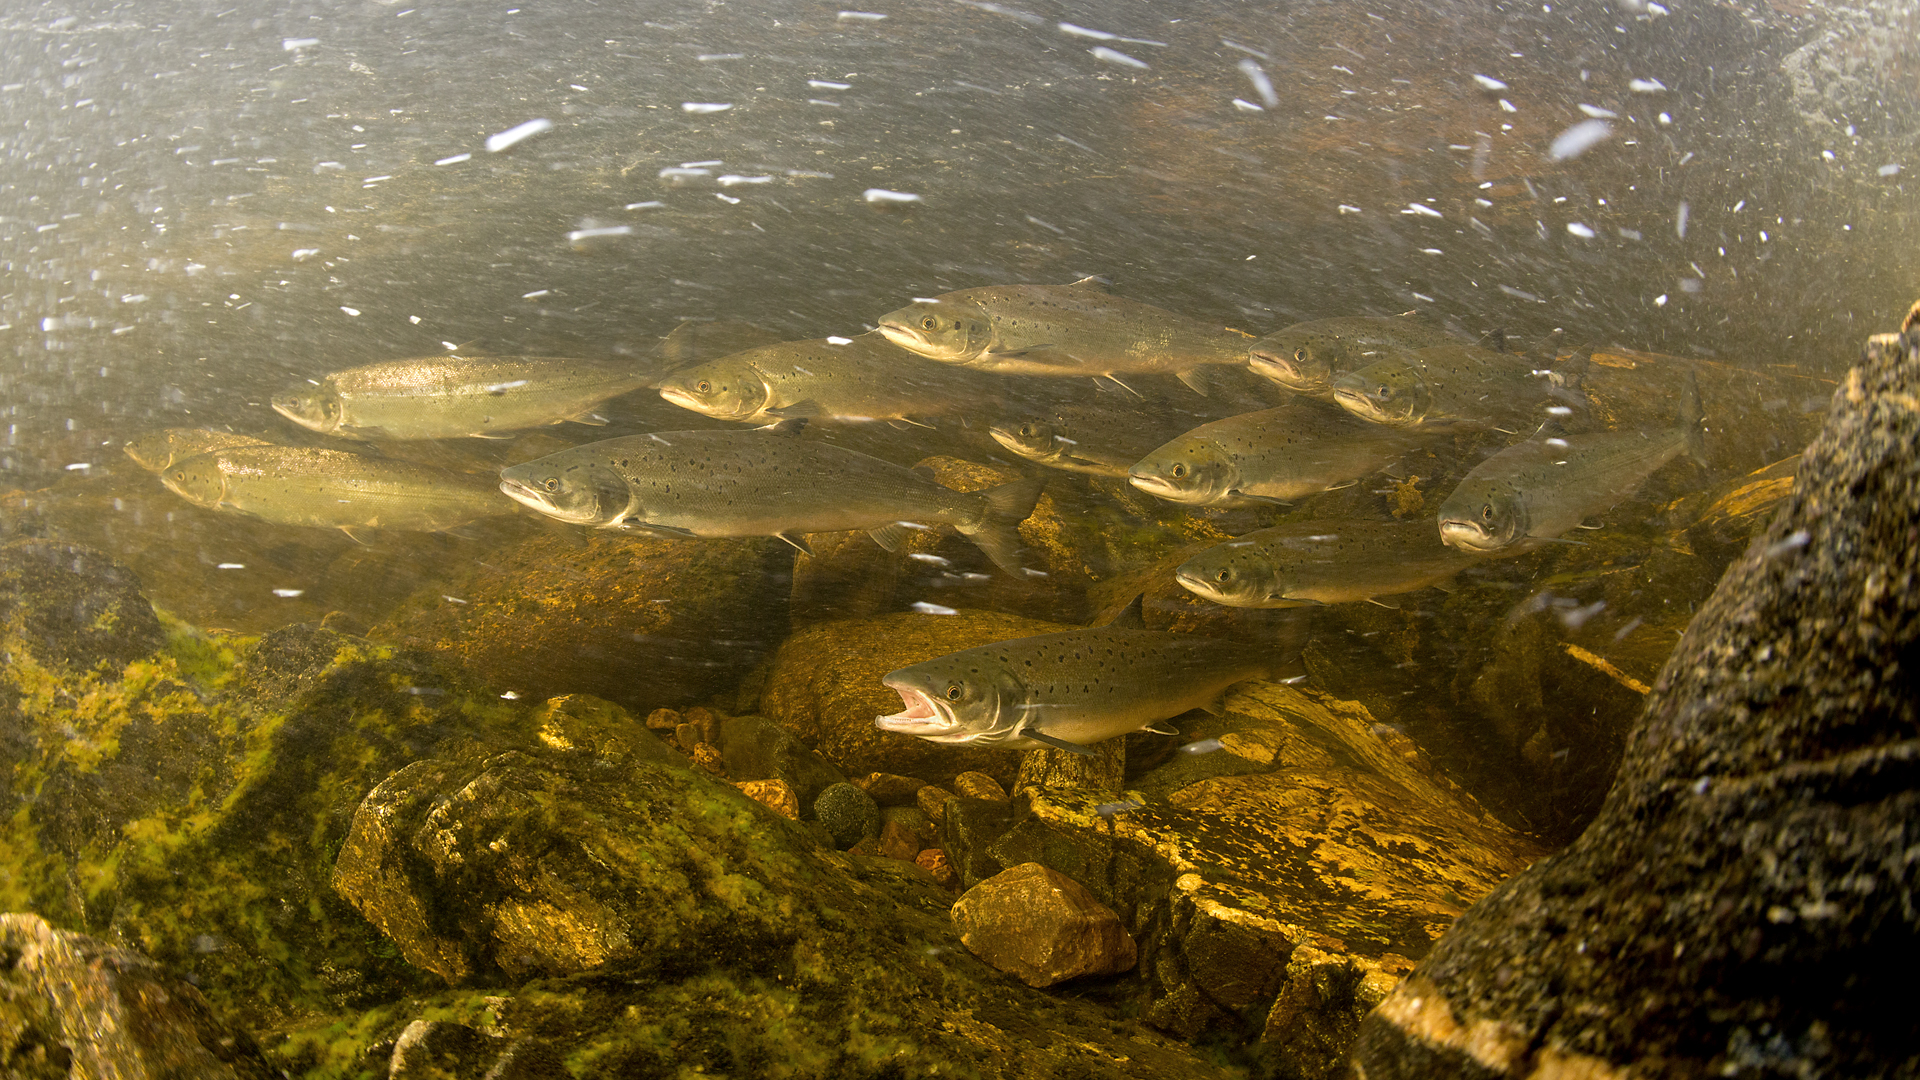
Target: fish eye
x,y
704,387
180,474
552,483
1486,513
1223,576
929,323
953,692
1179,470
1300,354
1027,430
1386,392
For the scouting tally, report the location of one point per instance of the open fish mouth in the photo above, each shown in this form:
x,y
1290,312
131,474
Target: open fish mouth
x,y
904,336
532,497
1467,536
681,398
1274,367
1153,484
1195,583
1355,401
922,714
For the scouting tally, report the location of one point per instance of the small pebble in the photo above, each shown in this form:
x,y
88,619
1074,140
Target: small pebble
x,y
663,720
978,785
707,756
776,795
890,789
934,861
932,800
897,841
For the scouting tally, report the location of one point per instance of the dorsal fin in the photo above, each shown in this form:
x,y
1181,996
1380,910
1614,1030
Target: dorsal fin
x,y
789,427
1130,617
1092,281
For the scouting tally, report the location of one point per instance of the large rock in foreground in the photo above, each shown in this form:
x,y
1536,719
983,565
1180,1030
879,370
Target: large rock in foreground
x,y
1738,906
1277,886
74,1006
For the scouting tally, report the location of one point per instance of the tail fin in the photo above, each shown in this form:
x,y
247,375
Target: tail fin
x,y
1690,417
1007,506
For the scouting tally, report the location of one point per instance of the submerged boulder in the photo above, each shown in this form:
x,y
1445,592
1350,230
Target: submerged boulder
x,y
1042,926
1734,907
642,621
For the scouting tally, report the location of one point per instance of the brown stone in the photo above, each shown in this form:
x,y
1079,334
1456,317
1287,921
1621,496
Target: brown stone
x,y
663,719
889,789
777,795
975,785
932,801
897,841
707,756
934,861
1042,926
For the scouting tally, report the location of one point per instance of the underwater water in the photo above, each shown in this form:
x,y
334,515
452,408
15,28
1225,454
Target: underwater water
x,y
203,209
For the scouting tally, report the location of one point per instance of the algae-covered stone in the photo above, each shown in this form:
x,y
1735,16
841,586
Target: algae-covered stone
x,y
823,685
71,1005
848,813
755,748
70,606
641,621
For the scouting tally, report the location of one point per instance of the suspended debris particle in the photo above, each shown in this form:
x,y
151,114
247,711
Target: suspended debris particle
x,y
1581,230
501,140
884,197
1579,139
925,608
455,159
701,107
1115,56
1489,83
1647,86
1599,113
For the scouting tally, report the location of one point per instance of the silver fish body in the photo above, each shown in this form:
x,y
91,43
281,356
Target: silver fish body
x,y
1061,330
1306,357
156,450
332,489
454,396
1456,386
759,482
1096,439
1077,687
1322,562
865,378
1275,455
1537,489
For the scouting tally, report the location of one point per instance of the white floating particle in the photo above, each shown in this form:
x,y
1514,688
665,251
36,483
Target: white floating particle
x,y
730,179
1827,155
1581,230
351,311
578,87
598,233
1507,106
1262,85
295,44
835,340
231,566
414,319
1763,236
1889,170
1647,86
455,159
535,294
1660,301
708,58
706,106
1417,209
823,101
1081,31
288,594
714,164
501,140
1793,541
1246,106
926,557
1115,56
1521,294
926,608
1665,118
376,179
1488,82
80,465
882,195
683,172
1347,209
1423,296
1739,206
1599,113
648,205
1579,139
728,199
1680,220
823,84
1431,251
303,254
861,16
1203,746
134,298
510,696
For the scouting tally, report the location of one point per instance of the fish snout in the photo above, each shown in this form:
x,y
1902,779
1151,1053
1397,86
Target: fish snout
x,y
907,337
1468,536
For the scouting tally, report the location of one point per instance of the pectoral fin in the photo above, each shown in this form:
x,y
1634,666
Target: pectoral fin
x,y
590,419
362,534
798,541
889,536
1130,617
649,528
1160,729
1022,351
788,427
1268,499
1196,380
491,434
1057,744
799,410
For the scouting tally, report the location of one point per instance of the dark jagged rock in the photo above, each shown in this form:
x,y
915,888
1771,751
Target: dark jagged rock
x,y
1737,905
848,813
71,1005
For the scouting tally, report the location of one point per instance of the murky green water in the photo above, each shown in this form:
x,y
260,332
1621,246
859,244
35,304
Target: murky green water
x,y
201,207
